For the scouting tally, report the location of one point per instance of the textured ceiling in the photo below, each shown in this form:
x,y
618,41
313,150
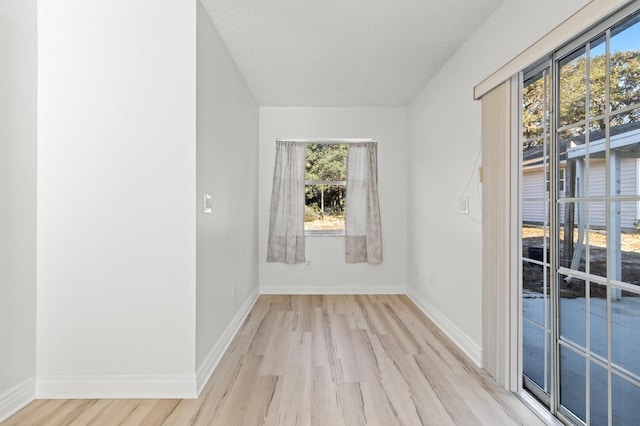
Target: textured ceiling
x,y
343,52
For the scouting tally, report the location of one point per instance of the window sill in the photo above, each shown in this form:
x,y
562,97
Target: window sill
x,y
324,234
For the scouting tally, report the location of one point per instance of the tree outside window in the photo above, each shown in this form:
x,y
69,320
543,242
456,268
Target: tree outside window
x,y
325,189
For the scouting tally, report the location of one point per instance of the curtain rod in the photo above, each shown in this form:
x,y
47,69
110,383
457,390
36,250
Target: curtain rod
x,y
327,141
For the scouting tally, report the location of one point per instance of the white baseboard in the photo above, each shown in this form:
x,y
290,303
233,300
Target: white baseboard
x,y
115,387
334,289
209,364
190,386
142,386
460,338
16,398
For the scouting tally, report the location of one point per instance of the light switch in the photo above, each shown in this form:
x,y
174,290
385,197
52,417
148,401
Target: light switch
x,y
464,205
206,204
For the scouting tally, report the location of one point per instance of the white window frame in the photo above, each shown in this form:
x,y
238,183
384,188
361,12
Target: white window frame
x,y
328,141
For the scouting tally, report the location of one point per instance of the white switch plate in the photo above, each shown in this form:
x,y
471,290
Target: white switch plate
x,y
464,205
206,204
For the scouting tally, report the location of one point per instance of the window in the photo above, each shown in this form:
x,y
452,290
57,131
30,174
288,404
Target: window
x,y
325,189
560,180
580,256
311,176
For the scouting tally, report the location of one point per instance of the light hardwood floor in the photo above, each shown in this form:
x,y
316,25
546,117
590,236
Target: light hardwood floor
x,y
320,360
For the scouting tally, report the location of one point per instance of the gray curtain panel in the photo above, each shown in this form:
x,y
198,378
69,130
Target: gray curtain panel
x,y
363,240
286,224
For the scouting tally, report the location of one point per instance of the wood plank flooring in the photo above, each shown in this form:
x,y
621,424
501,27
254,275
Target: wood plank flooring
x,y
321,361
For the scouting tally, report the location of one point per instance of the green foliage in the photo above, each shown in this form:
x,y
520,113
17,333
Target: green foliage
x,y
534,118
625,82
326,163
624,91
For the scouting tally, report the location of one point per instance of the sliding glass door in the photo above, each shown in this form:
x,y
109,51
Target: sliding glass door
x,y
580,220
536,253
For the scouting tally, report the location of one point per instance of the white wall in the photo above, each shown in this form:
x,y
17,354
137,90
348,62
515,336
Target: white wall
x,y
389,126
227,168
116,189
18,58
445,248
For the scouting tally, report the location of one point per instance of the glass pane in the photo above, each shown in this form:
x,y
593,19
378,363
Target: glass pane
x,y
567,177
629,169
573,88
625,330
535,292
624,132
327,162
572,236
628,240
572,310
626,409
530,155
599,395
597,238
597,78
573,135
571,147
573,382
535,234
595,168
534,107
597,172
597,132
598,319
325,208
625,64
562,180
535,159
533,352
534,186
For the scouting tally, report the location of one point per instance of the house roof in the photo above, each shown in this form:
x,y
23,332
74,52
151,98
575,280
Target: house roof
x,y
534,155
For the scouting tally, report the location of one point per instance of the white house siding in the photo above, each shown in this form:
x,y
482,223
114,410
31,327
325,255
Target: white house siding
x,y
533,193
629,186
534,188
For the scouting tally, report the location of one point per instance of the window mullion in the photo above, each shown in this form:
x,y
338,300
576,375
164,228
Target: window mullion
x,y
325,182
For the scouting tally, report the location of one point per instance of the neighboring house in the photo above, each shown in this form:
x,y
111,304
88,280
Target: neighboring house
x,y
535,181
